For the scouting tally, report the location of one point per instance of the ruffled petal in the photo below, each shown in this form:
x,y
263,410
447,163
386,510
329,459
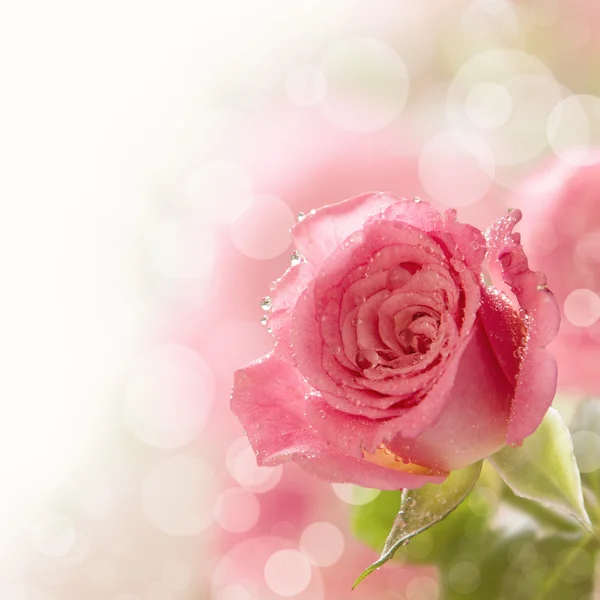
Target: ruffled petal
x,y
540,316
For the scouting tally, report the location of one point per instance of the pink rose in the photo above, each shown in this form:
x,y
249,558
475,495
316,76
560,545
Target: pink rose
x,y
562,231
393,361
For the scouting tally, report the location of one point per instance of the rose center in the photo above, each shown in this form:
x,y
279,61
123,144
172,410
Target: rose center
x,y
417,335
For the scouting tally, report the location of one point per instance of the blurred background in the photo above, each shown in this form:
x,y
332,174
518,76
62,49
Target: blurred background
x,y
153,156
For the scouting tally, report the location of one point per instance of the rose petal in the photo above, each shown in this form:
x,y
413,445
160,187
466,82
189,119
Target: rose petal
x,y
466,243
474,419
349,336
307,346
321,232
402,384
367,329
420,215
268,398
539,313
362,247
359,432
391,257
311,360
505,331
285,292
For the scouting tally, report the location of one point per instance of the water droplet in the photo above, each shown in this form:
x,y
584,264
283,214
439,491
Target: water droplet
x,y
505,259
269,330
266,303
296,258
416,199
264,319
300,216
458,265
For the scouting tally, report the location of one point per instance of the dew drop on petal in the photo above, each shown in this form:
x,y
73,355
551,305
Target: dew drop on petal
x,y
296,258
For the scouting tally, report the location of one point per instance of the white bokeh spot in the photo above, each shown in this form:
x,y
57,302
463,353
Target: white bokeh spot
x,y
574,128
168,396
287,573
505,96
237,510
456,169
323,543
262,231
582,307
367,84
354,494
242,466
488,105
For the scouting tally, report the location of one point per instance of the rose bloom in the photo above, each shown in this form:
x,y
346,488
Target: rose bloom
x,y
562,231
394,362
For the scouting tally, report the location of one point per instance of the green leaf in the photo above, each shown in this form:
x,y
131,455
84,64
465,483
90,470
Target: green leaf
x,y
523,566
422,508
585,429
548,519
544,469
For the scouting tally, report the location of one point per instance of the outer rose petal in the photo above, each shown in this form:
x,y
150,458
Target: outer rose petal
x,y
474,421
321,232
536,379
269,399
284,295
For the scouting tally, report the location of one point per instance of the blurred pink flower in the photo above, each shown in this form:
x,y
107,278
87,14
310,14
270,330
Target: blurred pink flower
x,y
562,229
